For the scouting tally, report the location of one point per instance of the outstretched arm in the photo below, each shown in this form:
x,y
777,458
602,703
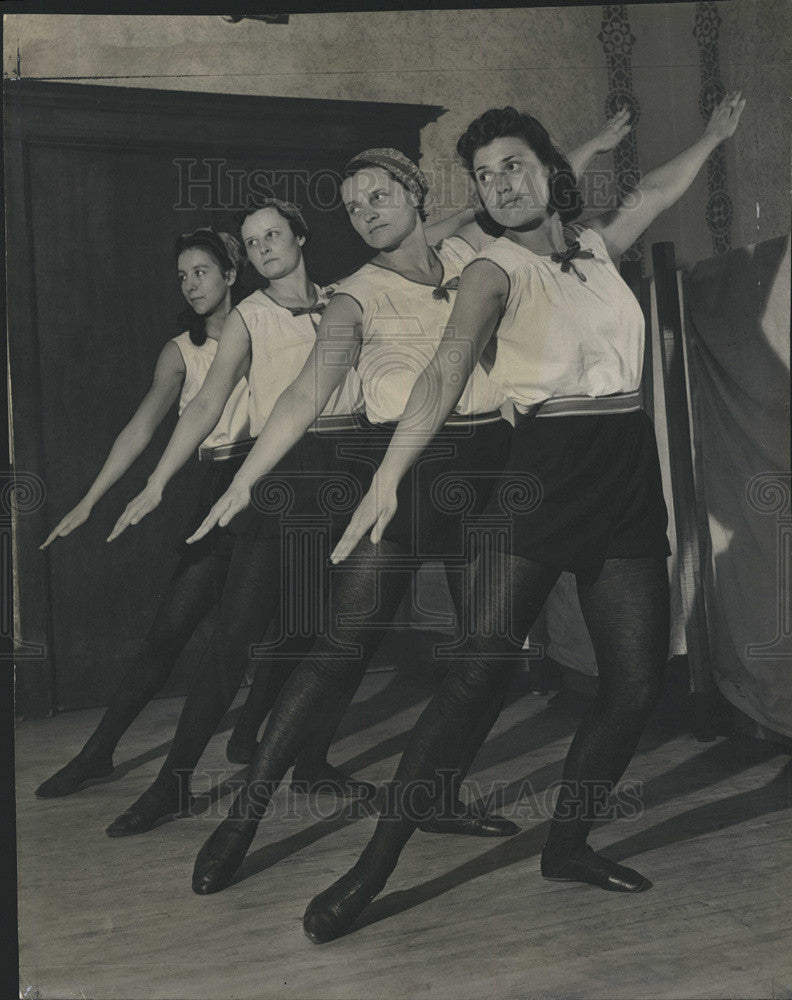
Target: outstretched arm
x,y
134,438
297,407
660,188
483,290
198,420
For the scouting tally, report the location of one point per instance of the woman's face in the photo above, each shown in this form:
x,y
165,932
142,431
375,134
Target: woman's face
x,y
270,243
379,208
512,182
203,282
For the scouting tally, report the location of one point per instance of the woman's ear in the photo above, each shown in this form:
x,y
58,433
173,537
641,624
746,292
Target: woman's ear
x,y
301,241
231,276
412,199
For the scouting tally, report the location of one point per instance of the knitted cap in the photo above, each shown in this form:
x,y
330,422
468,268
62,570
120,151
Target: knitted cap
x,y
398,165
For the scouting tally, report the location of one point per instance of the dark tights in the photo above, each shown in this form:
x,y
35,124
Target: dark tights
x,y
626,612
191,593
257,587
366,593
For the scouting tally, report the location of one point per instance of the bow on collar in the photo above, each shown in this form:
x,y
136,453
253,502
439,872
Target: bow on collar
x,y
565,259
317,307
441,292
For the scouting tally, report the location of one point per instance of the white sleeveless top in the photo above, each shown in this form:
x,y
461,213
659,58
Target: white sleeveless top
x,y
560,336
234,423
280,344
403,323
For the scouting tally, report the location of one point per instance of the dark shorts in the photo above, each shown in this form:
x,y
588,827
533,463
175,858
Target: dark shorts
x,y
578,490
446,490
220,541
318,484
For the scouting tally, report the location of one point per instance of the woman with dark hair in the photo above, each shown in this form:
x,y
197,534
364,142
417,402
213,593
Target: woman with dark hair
x,y
208,264
266,338
385,320
568,352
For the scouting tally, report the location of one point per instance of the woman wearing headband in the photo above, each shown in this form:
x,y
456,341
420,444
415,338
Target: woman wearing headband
x,y
208,264
568,352
386,319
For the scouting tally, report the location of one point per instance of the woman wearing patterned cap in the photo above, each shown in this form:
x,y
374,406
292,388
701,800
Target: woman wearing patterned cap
x,y
385,320
569,348
266,338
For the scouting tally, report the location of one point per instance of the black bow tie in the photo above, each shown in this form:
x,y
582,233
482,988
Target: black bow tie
x,y
317,307
441,292
565,259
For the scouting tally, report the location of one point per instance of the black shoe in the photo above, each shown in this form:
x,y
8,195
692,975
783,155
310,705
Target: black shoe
x,y
221,855
77,774
151,810
328,780
471,826
333,912
594,869
239,751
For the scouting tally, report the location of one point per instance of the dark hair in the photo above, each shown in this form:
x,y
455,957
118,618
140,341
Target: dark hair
x,y
361,163
564,195
290,212
226,252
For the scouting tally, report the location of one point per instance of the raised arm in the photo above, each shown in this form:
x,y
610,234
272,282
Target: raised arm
x,y
482,294
297,407
197,421
452,225
165,387
660,188
608,137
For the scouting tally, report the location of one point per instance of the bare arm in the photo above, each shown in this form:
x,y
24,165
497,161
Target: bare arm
x,y
165,387
608,137
660,188
297,407
450,226
197,421
482,294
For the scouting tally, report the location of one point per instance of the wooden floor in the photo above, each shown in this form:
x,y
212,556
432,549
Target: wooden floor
x,y
461,918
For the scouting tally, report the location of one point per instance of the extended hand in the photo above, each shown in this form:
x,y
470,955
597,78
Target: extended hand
x,y
79,515
615,129
376,511
137,509
725,117
235,499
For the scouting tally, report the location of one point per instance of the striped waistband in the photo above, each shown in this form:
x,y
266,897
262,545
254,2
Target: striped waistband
x,y
336,423
454,420
322,425
582,406
222,452
474,419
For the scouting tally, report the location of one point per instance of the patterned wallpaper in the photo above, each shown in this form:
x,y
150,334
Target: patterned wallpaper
x,y
719,212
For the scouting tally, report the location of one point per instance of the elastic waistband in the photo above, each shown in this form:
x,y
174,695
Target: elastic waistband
x,y
474,419
336,423
322,425
582,406
455,420
222,452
